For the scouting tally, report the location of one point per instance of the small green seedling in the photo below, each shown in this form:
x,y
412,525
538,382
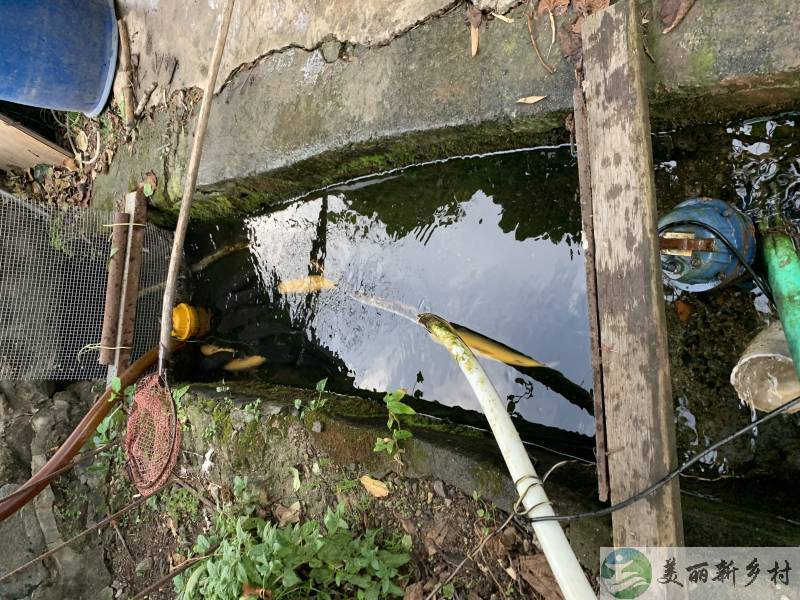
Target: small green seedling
x,y
316,403
391,444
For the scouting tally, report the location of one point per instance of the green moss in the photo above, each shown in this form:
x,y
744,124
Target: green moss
x,y
248,195
702,64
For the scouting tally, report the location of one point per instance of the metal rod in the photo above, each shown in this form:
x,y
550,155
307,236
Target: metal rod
x,y
82,432
188,190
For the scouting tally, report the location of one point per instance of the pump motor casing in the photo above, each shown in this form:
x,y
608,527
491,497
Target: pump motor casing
x,y
692,258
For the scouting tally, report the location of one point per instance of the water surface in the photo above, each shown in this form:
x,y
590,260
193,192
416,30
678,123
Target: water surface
x,y
491,243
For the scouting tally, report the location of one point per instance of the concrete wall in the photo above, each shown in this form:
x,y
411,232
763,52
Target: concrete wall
x,y
404,89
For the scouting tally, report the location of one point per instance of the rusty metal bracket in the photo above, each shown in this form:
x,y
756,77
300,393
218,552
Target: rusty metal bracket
x,y
678,243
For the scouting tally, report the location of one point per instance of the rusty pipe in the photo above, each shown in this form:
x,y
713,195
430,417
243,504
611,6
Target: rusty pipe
x,y
67,451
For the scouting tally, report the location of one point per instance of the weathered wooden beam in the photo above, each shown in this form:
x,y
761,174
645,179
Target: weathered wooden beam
x,y
120,224
581,131
136,207
636,385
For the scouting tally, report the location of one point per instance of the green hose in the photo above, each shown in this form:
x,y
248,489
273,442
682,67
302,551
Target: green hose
x,y
783,270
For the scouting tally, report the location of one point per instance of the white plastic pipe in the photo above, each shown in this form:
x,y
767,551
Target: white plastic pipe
x,y
566,569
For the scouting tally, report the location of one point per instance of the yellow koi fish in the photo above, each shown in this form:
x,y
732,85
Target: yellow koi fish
x,y
211,349
484,346
305,285
245,363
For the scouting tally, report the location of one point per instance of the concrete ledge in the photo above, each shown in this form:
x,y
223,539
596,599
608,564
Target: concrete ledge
x,y
292,122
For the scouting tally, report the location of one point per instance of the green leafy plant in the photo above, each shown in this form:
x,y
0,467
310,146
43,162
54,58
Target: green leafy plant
x,y
252,410
391,443
315,403
181,503
209,432
109,430
246,555
180,405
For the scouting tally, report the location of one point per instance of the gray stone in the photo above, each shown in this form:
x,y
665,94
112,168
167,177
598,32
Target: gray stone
x,y
498,6
330,51
48,592
26,395
144,565
12,469
23,540
316,427
438,487
106,594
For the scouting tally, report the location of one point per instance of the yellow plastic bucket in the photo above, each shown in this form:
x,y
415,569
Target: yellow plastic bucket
x,y
189,321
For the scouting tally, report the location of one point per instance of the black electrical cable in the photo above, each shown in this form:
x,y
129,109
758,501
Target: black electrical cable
x,y
672,474
762,285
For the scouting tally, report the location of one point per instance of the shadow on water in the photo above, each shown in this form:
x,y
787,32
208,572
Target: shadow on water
x,y
493,243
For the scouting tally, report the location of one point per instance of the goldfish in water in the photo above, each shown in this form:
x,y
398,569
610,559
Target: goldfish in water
x,y
306,285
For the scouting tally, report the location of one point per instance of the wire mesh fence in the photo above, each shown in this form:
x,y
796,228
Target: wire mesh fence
x,y
53,271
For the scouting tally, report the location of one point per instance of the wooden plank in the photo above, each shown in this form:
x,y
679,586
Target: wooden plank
x,y
580,129
636,385
136,207
116,269
21,148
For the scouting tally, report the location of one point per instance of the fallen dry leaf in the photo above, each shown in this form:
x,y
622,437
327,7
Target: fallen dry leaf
x,y
673,12
475,20
536,572
474,16
249,591
176,558
587,7
475,40
414,591
570,41
509,537
584,8
171,526
530,99
82,141
503,18
557,7
286,515
374,487
684,309
511,572
408,526
434,538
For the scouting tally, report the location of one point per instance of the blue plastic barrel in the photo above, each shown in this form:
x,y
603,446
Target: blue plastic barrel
x,y
58,54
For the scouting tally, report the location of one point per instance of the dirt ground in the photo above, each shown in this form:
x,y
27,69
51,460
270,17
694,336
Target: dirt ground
x,y
95,143
446,528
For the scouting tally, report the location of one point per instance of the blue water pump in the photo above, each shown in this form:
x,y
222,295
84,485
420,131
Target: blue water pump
x,y
697,242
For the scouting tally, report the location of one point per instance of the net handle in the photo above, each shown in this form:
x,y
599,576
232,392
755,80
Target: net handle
x,y
67,451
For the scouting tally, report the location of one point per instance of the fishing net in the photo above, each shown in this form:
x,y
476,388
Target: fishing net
x,y
152,441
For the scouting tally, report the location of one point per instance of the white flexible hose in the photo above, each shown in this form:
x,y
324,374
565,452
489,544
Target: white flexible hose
x,y
562,560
